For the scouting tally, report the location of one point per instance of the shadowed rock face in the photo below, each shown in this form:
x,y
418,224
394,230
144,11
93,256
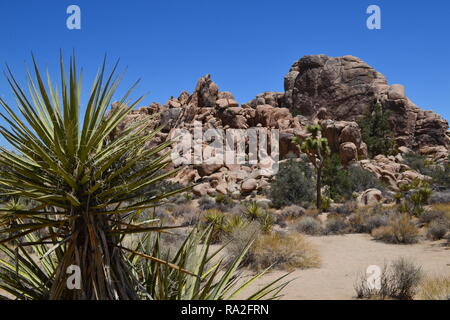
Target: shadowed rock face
x,y
346,88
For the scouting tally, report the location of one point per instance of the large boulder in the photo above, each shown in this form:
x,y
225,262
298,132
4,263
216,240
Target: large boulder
x,y
345,88
369,197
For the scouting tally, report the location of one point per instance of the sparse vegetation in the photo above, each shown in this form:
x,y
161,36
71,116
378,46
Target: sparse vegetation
x,y
400,280
310,226
317,150
376,131
292,185
283,252
437,229
434,288
400,229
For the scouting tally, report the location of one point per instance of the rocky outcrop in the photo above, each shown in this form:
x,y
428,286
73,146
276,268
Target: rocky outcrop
x,y
346,88
333,92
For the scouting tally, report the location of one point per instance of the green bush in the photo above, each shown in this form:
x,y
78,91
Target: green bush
x,y
344,182
376,131
294,184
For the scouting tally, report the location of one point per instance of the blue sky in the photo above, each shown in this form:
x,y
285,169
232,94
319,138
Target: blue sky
x,y
247,46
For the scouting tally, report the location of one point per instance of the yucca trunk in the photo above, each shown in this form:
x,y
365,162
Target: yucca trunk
x,y
104,273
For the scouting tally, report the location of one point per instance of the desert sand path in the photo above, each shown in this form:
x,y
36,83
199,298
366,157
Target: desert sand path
x,y
346,257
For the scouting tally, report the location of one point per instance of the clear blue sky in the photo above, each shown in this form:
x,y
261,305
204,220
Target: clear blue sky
x,y
247,46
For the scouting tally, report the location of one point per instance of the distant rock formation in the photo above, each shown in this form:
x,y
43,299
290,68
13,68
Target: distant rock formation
x,y
334,92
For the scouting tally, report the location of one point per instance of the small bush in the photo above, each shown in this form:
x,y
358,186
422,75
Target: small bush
x,y
310,226
435,288
238,240
400,229
347,207
431,215
440,197
294,184
400,280
437,230
336,226
292,212
285,252
376,221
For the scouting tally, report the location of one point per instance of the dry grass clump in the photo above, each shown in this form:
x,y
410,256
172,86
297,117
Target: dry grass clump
x,y
437,229
435,288
400,229
442,207
400,280
310,226
336,225
286,252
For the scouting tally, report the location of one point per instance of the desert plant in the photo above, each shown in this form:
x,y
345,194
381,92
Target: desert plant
x,y
376,131
292,185
217,221
292,212
336,225
434,288
400,229
252,211
86,183
437,229
282,252
310,226
400,280
362,179
316,148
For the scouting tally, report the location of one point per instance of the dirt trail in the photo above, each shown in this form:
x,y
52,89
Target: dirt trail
x,y
346,257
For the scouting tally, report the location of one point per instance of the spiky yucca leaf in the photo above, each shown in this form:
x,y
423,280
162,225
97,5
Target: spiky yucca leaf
x,y
84,182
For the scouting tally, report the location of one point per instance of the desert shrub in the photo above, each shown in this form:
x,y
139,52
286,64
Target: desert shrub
x,y
292,212
336,225
239,238
362,179
224,200
430,215
376,221
220,202
183,210
441,175
294,184
347,207
435,288
309,225
442,207
440,197
285,252
414,196
400,280
376,131
417,162
400,229
343,183
206,203
336,177
437,229
365,220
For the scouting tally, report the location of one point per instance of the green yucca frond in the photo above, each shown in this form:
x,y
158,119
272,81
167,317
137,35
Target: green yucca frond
x,y
214,281
84,182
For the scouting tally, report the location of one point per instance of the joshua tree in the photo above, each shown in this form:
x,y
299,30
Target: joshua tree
x,y
84,184
317,149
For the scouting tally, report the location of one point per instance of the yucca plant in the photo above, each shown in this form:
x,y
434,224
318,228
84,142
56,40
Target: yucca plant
x,y
85,183
211,277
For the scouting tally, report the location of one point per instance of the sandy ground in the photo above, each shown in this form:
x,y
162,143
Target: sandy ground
x,y
345,258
